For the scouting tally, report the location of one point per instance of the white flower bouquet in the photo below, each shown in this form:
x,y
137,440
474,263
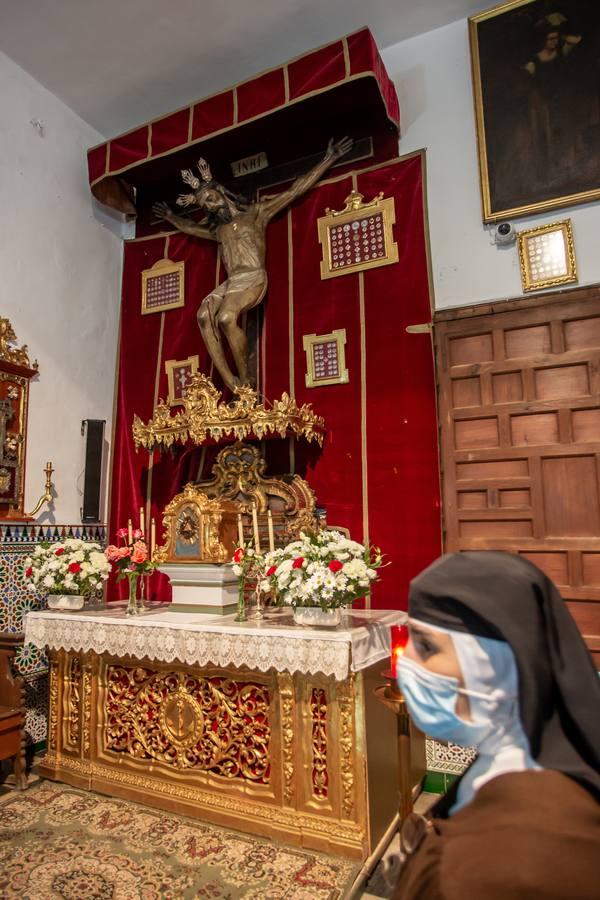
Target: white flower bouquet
x,y
71,566
324,570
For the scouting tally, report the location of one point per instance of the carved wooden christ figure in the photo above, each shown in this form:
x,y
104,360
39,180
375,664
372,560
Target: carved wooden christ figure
x,y
239,228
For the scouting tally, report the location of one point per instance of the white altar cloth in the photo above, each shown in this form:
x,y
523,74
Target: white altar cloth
x,y
362,638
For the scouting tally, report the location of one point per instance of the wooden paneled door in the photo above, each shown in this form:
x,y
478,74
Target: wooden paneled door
x,y
519,405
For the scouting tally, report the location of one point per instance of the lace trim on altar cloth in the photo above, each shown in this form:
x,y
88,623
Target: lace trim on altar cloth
x,y
284,649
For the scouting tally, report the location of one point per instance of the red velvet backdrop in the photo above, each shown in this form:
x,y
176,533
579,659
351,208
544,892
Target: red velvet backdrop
x,y
377,473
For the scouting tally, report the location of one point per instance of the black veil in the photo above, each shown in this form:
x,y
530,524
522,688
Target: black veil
x,y
504,596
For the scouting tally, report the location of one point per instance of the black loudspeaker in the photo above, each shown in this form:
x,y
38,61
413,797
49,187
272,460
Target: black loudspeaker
x,y
94,432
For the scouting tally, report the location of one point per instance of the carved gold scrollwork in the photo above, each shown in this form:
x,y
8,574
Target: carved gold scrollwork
x,y
52,700
286,695
72,684
87,705
189,721
318,712
345,690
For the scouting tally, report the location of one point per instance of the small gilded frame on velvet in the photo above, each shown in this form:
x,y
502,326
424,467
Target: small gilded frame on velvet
x,y
163,286
179,375
547,256
357,237
325,358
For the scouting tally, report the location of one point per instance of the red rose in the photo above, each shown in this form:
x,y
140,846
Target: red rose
x,y
59,552
74,568
271,571
297,564
238,555
29,572
335,565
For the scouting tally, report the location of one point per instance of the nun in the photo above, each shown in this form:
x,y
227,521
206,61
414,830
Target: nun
x,y
496,662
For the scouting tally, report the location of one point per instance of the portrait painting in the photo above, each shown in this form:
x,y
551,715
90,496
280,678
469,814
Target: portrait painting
x,y
536,82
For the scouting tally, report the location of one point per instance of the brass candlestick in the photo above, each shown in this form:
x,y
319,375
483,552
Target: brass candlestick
x,y
47,495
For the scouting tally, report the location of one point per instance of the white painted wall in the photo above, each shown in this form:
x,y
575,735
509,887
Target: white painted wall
x,y
59,280
433,79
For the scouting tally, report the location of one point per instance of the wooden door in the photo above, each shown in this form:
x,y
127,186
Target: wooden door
x,y
519,405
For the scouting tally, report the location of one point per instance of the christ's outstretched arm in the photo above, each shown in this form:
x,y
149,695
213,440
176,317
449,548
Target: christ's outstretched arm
x,y
187,226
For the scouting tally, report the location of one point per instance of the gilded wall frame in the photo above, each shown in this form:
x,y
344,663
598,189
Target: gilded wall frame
x,y
369,230
325,358
536,73
547,256
163,286
177,371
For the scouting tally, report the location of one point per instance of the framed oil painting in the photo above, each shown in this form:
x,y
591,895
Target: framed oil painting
x,y
536,83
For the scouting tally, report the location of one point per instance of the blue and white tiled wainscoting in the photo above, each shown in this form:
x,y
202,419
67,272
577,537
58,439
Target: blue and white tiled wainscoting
x,y
17,542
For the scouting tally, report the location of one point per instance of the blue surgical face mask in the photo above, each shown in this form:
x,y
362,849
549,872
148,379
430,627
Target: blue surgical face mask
x,y
431,701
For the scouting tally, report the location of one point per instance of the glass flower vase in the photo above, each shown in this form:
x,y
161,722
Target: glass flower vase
x,y
132,609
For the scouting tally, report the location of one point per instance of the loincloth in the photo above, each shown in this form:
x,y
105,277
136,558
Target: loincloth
x,y
241,281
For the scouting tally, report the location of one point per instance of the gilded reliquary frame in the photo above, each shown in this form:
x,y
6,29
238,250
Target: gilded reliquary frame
x,y
358,237
325,358
547,256
179,373
163,286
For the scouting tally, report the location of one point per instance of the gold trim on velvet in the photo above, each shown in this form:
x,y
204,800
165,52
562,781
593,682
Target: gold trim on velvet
x,y
156,389
346,51
149,141
286,84
291,302
235,110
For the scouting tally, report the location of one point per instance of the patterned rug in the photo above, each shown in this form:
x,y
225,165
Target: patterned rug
x,y
58,842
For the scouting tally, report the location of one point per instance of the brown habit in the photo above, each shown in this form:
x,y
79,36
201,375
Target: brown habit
x,y
524,836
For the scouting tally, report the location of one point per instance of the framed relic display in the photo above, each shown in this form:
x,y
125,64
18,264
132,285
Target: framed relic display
x,y
179,375
536,83
325,358
358,237
163,286
547,256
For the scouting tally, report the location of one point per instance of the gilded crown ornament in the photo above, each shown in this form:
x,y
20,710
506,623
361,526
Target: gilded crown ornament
x,y
17,355
206,416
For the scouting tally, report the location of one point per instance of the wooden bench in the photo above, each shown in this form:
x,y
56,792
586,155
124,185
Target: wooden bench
x,y
12,708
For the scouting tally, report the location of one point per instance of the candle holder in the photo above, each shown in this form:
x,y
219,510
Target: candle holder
x,y
258,613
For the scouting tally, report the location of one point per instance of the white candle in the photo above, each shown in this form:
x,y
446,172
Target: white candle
x,y
255,528
142,528
240,531
152,537
129,532
271,534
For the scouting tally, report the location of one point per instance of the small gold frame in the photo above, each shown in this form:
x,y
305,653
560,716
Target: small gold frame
x,y
358,237
176,397
163,286
547,256
318,372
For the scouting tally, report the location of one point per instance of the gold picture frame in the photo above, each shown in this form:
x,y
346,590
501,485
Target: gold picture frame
x,y
536,149
325,358
179,375
163,286
547,256
358,237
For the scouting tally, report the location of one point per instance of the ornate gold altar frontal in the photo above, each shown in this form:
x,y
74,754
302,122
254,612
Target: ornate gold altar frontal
x,y
295,758
198,529
163,286
206,416
325,358
547,256
15,375
358,237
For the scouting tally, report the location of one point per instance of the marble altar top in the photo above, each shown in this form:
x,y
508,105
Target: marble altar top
x,y
361,639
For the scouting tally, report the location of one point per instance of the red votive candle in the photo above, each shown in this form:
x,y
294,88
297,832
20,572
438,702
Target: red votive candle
x,y
399,636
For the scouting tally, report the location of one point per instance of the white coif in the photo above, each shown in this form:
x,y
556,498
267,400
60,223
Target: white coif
x,y
362,638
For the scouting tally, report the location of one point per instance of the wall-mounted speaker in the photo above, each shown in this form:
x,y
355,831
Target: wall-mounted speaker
x,y
92,479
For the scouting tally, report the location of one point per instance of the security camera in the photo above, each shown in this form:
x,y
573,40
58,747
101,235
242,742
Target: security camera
x,y
505,233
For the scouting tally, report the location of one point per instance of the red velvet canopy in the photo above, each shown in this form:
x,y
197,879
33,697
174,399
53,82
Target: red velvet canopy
x,y
341,88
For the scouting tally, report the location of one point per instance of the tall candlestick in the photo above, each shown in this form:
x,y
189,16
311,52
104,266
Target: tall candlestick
x,y
129,532
240,531
142,527
271,534
255,529
152,537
